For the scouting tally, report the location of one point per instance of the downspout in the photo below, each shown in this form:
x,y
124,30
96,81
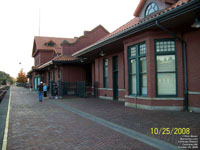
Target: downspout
x,y
184,46
136,101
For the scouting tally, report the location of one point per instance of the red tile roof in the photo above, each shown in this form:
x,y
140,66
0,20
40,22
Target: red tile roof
x,y
40,42
139,7
142,2
129,24
176,5
58,50
134,22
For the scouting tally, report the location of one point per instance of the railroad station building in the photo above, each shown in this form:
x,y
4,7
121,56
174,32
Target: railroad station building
x,y
151,62
53,59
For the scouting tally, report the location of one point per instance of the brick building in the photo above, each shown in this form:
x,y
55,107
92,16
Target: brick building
x,y
151,62
53,58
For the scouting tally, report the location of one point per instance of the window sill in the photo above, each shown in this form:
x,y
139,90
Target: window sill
x,y
155,98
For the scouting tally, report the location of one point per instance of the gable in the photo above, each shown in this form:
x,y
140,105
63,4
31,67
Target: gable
x,y
87,39
34,48
158,5
48,43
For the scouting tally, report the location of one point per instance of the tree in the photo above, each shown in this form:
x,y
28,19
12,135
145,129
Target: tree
x,y
5,78
21,77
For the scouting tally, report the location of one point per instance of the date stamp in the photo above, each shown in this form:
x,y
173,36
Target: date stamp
x,y
188,142
170,131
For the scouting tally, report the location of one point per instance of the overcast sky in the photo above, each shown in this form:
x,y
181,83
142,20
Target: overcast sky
x,y
58,18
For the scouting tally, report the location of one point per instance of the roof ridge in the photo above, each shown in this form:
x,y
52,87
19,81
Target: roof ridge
x,y
52,37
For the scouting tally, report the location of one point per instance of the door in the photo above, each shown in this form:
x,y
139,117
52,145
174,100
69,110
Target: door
x,y
35,83
115,78
39,80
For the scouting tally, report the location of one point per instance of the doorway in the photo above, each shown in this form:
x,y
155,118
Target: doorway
x,y
37,80
115,77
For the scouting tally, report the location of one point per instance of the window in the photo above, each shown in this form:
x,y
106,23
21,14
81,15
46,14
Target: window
x,y
50,43
166,67
105,73
59,73
53,76
151,8
137,69
49,76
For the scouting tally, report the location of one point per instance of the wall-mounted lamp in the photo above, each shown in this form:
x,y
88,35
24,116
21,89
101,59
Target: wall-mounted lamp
x,y
82,59
101,54
196,23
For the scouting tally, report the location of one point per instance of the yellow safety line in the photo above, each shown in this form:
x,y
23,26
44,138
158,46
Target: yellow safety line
x,y
5,138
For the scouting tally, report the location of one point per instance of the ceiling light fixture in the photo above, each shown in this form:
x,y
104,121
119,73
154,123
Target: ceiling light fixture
x,y
101,54
196,23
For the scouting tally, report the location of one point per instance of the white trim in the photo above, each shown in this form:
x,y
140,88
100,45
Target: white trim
x,y
193,93
106,97
121,89
155,98
111,98
110,89
195,109
147,107
121,99
46,64
5,137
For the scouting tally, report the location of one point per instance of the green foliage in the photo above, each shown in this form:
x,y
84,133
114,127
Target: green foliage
x,y
4,78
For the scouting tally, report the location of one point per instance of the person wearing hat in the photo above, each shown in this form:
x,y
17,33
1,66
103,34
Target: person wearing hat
x,y
40,90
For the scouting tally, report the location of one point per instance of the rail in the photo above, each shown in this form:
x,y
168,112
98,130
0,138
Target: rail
x,y
4,95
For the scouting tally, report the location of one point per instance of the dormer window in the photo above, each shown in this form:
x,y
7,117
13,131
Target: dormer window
x,y
50,43
151,8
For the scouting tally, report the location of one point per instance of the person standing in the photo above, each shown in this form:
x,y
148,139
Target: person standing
x,y
40,90
45,90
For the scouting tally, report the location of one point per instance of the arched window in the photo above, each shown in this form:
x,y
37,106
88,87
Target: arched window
x,y
151,8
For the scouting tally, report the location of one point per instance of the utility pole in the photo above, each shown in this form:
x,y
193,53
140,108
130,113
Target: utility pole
x,y
39,22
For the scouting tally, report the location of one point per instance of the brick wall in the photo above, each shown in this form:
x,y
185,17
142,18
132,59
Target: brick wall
x,y
98,75
45,56
89,38
37,59
73,73
193,53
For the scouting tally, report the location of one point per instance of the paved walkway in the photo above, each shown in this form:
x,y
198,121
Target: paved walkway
x,y
84,124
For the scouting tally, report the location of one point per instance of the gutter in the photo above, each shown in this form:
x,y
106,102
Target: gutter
x,y
184,48
179,10
66,62
46,64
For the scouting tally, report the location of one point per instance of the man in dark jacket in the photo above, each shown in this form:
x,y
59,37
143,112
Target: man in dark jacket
x,y
40,90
